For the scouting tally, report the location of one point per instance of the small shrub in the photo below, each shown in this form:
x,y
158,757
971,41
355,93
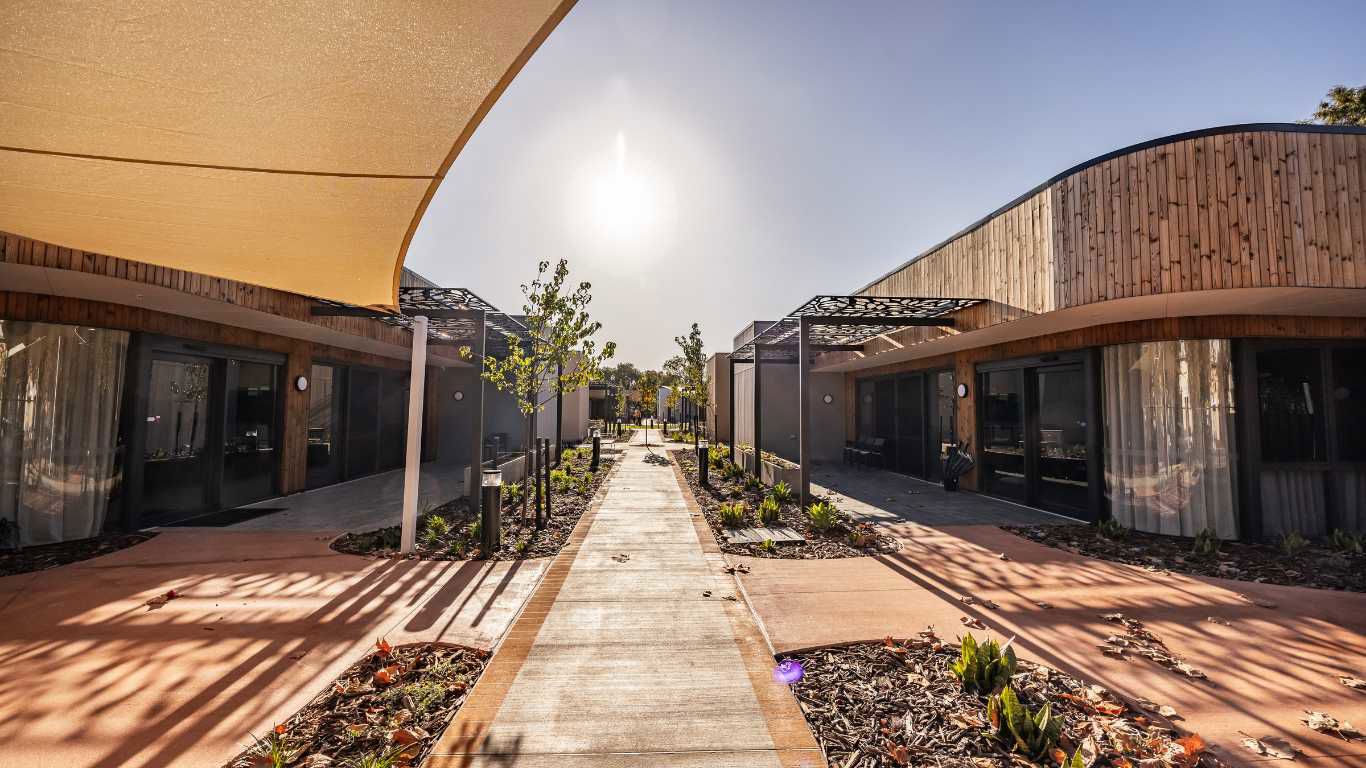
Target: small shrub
x,y
752,483
585,484
1033,735
783,492
512,494
1293,544
560,480
822,516
390,759
1206,543
435,530
718,456
521,545
1113,529
731,471
984,668
568,455
767,545
457,549
732,513
768,510
476,528
1347,542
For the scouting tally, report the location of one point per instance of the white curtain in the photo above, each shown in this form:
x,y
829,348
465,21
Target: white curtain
x,y
1169,437
60,389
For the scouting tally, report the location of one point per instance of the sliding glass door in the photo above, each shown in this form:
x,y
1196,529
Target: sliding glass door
x,y
178,470
913,414
1037,435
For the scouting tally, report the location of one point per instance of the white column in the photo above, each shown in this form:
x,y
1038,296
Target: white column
x,y
416,384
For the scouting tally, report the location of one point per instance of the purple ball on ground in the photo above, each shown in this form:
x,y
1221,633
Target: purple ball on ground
x,y
787,672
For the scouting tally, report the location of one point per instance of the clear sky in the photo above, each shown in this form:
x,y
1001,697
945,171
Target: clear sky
x,y
723,161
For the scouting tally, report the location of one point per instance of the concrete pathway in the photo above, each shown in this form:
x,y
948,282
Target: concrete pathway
x,y
363,504
1266,665
888,497
264,622
634,651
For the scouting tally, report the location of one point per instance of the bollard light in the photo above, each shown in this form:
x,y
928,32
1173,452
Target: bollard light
x,y
702,464
491,512
597,450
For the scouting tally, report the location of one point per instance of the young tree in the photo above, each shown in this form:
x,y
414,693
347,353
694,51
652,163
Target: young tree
x,y
558,351
1342,106
691,372
648,387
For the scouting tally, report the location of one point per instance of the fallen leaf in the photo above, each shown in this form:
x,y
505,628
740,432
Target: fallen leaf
x,y
706,593
161,599
1193,746
972,623
1004,556
1352,682
382,648
1325,723
387,675
1043,604
1257,601
407,735
1168,711
1273,747
1217,620
280,729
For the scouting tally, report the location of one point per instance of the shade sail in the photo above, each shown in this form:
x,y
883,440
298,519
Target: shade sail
x,y
291,145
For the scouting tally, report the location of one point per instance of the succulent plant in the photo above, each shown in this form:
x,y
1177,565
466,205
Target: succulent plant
x,y
768,510
1292,544
1347,542
1207,544
1113,529
782,492
983,668
1031,734
732,513
822,516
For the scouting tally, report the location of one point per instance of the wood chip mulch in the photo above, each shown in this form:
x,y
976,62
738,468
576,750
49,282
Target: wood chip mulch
x,y
394,703
1318,566
896,703
520,541
45,556
834,543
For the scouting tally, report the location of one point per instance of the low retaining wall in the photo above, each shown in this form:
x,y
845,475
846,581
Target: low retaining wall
x,y
770,473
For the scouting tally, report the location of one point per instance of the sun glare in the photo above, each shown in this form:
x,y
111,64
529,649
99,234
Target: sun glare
x,y
623,199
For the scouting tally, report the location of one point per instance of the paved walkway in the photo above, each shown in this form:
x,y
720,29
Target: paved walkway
x,y
633,651
264,622
1265,665
887,497
363,504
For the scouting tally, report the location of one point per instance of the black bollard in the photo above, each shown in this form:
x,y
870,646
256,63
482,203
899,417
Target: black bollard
x,y
702,465
597,451
545,464
491,511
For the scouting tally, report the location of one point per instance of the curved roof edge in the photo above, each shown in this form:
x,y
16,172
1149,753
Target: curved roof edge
x,y
1079,167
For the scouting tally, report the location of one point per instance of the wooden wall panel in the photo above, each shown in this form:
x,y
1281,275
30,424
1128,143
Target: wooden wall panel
x,y
1224,210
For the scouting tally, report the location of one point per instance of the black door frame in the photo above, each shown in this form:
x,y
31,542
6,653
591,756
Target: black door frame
x,y
1089,361
144,347
341,386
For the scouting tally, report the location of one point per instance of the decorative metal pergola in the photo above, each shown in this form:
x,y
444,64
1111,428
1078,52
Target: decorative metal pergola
x,y
444,316
827,323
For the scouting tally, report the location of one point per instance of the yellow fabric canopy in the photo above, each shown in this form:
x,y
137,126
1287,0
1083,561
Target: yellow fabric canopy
x,y
292,145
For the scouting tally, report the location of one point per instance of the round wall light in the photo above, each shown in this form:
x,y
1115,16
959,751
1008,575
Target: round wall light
x,y
459,395
827,398
962,390
301,383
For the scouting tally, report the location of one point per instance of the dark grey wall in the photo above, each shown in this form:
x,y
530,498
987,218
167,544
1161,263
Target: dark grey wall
x,y
780,413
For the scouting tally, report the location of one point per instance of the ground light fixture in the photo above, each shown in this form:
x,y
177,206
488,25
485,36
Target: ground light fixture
x,y
597,449
702,461
491,513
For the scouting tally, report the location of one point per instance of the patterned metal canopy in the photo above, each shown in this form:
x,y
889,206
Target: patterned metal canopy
x,y
847,322
452,316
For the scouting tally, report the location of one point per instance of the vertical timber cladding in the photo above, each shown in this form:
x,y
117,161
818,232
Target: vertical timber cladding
x,y
1226,208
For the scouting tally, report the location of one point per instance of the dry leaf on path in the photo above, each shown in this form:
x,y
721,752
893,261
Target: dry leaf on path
x,y
1217,620
972,623
1352,682
161,599
1043,604
1273,747
1325,723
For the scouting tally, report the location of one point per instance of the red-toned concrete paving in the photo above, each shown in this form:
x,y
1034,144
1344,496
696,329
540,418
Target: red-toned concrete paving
x,y
634,661
1265,667
266,620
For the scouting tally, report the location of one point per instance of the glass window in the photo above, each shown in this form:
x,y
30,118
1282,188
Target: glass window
x,y
249,457
1169,436
1062,433
324,426
1003,465
1349,397
1290,395
175,473
60,391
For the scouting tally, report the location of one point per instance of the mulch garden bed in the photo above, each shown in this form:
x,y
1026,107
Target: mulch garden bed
x,y
449,532
847,538
896,703
45,556
1317,566
394,704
